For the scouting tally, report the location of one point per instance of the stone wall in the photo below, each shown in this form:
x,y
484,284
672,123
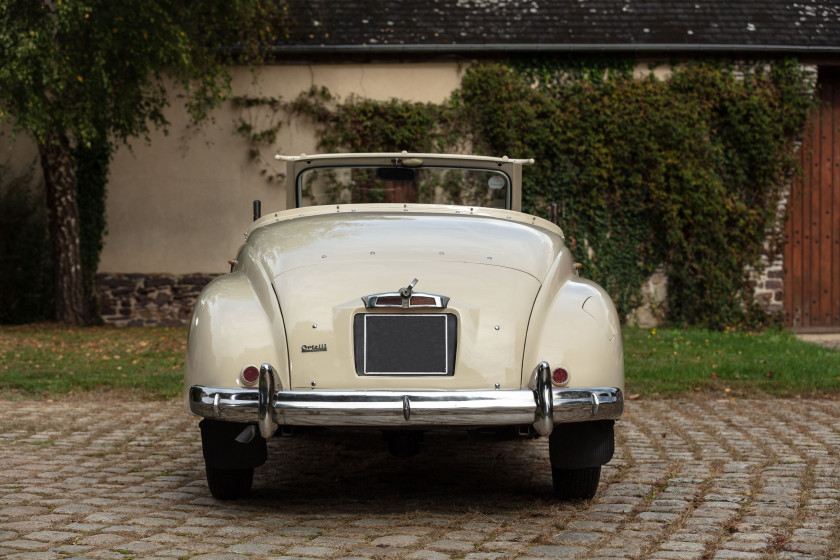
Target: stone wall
x,y
654,295
149,299
769,282
769,286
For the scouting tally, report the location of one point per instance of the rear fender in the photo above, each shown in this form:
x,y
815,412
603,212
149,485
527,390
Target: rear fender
x,y
574,325
236,323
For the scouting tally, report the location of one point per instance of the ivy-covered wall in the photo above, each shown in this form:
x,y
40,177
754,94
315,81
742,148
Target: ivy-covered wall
x,y
682,174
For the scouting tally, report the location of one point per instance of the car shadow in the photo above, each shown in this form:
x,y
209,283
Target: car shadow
x,y
455,471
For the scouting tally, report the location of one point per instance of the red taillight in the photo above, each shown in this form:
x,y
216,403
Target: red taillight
x,y
560,376
422,301
395,301
250,375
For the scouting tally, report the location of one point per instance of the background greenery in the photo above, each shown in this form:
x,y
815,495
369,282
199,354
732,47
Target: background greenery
x,y
673,362
92,164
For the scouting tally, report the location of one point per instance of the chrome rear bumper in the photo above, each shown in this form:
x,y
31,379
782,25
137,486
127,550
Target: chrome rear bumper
x,y
541,405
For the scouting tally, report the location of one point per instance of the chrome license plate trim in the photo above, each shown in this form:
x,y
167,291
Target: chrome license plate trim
x,y
444,318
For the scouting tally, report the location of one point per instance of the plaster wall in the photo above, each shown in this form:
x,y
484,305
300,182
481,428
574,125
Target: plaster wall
x,y
176,203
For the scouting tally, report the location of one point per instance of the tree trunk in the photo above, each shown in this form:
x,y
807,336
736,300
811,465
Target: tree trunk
x,y
60,181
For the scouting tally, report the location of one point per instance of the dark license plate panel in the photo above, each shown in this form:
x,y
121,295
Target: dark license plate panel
x,y
405,344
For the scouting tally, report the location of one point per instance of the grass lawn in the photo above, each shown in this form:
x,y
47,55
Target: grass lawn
x,y
672,362
45,361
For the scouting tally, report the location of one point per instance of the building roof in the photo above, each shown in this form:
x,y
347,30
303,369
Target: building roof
x,y
505,26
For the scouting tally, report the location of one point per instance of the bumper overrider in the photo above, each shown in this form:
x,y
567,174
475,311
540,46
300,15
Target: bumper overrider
x,y
540,405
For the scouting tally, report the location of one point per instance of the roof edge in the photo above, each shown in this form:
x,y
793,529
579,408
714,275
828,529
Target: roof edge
x,y
550,48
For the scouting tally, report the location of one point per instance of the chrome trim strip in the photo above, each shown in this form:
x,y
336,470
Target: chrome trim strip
x,y
426,408
372,301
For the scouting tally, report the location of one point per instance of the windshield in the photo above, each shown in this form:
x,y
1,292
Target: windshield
x,y
425,185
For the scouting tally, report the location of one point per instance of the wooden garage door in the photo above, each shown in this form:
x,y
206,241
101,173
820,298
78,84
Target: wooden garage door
x,y
812,251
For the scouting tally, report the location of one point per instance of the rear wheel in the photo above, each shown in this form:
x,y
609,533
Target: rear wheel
x,y
576,484
231,451
577,451
229,484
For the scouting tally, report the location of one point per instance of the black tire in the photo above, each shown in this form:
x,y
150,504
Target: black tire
x,y
229,484
576,484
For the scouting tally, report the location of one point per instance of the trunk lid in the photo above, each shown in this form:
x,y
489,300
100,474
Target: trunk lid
x,y
490,267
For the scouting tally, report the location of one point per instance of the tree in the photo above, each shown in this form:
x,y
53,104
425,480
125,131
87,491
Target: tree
x,y
89,74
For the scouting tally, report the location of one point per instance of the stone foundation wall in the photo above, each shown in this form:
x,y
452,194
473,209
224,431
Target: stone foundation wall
x,y
769,287
149,299
769,283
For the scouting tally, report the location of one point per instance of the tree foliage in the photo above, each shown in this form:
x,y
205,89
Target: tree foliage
x,y
86,74
97,68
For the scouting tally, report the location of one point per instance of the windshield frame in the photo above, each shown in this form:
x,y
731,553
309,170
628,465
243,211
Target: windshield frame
x,y
512,168
299,183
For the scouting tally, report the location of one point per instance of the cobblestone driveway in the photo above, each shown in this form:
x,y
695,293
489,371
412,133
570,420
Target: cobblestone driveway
x,y
704,479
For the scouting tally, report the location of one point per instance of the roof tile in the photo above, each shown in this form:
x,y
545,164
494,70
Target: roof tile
x,y
806,23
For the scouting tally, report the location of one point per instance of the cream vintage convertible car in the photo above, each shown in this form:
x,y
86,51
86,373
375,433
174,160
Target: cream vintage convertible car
x,y
404,292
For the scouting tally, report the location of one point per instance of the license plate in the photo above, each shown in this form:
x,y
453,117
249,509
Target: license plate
x,y
405,344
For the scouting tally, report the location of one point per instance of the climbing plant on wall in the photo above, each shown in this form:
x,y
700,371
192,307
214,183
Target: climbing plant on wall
x,y
683,173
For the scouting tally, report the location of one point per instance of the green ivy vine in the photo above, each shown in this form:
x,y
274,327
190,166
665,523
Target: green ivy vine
x,y
92,164
259,122
683,173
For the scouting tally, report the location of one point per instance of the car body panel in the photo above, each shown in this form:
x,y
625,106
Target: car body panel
x,y
375,233
236,322
492,316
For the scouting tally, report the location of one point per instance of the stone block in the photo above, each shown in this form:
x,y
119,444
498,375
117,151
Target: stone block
x,y
158,281
546,551
149,299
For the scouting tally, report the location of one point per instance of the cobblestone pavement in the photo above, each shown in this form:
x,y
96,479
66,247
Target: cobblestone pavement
x,y
754,479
